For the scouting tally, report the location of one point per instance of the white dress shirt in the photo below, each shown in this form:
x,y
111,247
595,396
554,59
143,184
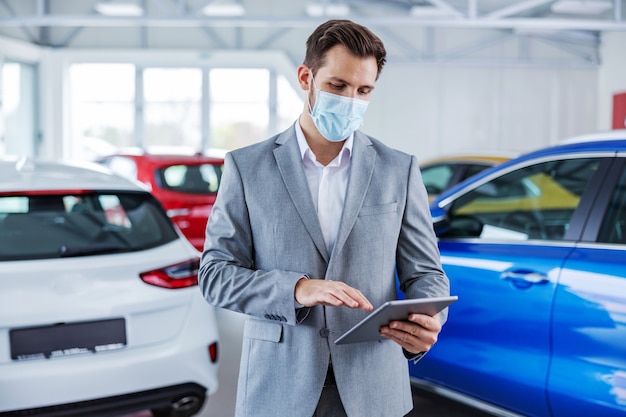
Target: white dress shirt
x,y
327,184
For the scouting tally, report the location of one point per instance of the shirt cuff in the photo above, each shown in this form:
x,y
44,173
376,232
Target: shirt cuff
x,y
296,303
413,356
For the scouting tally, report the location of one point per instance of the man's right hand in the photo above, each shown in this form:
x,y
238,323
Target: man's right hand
x,y
310,292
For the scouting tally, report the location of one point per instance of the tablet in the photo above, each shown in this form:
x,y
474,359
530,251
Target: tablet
x,y
368,329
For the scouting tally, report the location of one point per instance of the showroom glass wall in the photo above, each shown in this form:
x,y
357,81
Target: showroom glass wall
x,y
19,132
175,109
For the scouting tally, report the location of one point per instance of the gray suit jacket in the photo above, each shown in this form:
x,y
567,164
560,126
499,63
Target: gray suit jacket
x,y
263,236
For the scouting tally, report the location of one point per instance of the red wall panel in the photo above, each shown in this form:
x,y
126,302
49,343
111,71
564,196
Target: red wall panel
x,y
619,111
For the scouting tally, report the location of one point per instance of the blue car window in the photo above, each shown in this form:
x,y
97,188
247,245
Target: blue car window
x,y
534,202
613,229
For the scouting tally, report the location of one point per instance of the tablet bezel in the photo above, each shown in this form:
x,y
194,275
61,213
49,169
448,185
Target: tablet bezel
x,y
368,329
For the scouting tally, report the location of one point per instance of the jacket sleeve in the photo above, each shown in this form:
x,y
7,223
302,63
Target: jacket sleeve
x,y
418,260
228,277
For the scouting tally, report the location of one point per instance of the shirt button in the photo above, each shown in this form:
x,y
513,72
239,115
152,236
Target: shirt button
x,y
324,332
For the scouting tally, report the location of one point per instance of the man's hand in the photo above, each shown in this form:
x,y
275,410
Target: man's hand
x,y
419,334
310,292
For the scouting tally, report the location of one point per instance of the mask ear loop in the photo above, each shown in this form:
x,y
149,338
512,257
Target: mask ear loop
x,y
308,96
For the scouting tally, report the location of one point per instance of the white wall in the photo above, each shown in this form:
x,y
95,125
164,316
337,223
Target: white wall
x,y
612,75
438,109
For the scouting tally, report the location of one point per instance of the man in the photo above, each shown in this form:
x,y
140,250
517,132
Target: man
x,y
305,238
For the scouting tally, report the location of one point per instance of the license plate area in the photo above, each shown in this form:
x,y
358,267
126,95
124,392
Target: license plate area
x,y
67,339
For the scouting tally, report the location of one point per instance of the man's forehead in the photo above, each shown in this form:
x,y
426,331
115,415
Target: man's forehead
x,y
359,71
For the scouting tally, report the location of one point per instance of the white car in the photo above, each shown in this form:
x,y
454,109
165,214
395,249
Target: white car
x,y
100,314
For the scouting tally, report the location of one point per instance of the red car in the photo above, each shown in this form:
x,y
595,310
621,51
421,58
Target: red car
x,y
186,185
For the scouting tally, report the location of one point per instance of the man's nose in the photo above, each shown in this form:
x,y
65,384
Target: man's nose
x,y
352,93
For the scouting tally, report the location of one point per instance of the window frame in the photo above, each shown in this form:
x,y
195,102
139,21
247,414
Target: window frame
x,y
598,211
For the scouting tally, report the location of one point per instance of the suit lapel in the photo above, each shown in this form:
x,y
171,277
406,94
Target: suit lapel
x,y
289,163
361,169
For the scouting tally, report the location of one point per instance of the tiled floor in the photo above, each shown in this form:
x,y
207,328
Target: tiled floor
x,y
431,405
426,405
222,403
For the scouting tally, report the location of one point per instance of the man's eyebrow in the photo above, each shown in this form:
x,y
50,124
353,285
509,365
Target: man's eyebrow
x,y
341,80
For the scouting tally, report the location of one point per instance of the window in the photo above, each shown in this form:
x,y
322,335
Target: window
x,y
535,202
173,103
290,103
18,114
103,108
613,228
122,166
239,106
165,110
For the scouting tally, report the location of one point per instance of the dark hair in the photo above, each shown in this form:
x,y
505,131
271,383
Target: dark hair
x,y
358,39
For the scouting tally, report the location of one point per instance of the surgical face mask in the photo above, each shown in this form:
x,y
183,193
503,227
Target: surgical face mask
x,y
336,117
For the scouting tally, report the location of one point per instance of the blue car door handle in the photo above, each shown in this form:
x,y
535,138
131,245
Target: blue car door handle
x,y
525,277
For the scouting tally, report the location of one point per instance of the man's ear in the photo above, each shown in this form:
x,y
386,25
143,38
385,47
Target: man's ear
x,y
304,77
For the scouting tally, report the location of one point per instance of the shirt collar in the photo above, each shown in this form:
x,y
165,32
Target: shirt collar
x,y
304,146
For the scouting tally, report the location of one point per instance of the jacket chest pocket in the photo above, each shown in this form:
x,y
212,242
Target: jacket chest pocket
x,y
378,223
378,209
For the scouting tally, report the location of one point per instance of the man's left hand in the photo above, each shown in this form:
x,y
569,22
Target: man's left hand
x,y
417,335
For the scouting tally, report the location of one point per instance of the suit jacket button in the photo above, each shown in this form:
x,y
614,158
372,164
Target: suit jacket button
x,y
324,332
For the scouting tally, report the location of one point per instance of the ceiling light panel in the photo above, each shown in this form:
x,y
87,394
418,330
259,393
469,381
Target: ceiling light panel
x,y
118,9
223,10
327,9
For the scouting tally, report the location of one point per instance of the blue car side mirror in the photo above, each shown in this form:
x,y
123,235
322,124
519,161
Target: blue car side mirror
x,y
441,223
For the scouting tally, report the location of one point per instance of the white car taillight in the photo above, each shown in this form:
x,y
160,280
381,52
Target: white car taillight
x,y
176,276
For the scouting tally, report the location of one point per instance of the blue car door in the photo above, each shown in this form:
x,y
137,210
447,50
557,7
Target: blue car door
x,y
496,343
588,369
503,251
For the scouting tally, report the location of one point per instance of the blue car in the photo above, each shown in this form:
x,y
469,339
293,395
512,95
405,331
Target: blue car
x,y
535,249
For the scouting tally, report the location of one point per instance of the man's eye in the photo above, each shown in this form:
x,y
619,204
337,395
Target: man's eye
x,y
337,86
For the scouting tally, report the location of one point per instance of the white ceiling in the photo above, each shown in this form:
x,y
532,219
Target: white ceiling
x,y
517,31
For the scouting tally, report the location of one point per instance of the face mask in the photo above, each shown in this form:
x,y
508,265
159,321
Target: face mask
x,y
336,117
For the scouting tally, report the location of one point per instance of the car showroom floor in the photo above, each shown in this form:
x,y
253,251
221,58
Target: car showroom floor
x,y
426,405
221,404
